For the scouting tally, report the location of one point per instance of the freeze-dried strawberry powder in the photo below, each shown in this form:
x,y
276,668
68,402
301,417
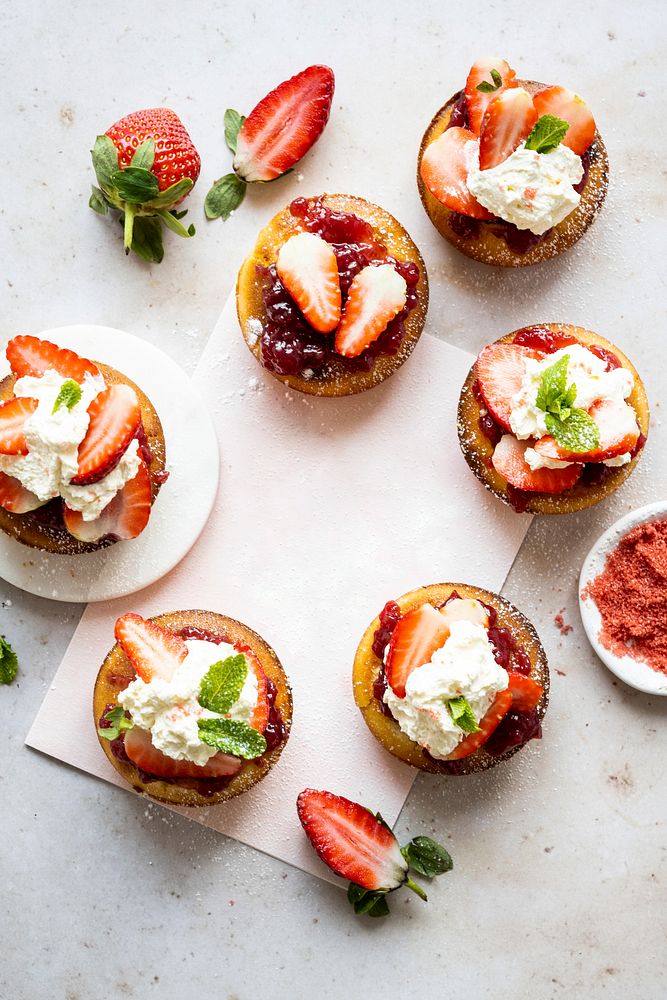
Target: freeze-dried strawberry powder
x,y
631,596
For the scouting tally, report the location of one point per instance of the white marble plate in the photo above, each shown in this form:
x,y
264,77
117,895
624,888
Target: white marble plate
x,y
183,504
633,672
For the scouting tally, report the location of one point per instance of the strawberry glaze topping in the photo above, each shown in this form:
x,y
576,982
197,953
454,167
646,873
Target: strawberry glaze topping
x,y
289,346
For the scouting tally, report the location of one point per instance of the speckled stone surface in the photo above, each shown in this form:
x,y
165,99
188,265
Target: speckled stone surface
x,y
559,885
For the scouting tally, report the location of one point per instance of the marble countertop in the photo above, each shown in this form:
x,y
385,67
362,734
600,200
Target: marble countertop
x,y
559,885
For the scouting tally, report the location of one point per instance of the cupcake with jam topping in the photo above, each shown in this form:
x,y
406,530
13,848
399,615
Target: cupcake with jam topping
x,y
191,707
82,452
552,418
333,298
512,172
451,679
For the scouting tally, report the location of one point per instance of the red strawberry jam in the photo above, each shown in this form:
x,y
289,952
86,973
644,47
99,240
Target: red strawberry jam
x,y
541,338
288,345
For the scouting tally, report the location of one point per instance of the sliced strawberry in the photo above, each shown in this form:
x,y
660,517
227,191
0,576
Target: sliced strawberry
x,y
444,171
376,295
115,416
479,100
260,716
351,841
565,104
284,125
13,415
308,269
31,356
413,642
508,120
139,748
500,369
525,692
15,497
494,716
508,459
619,432
124,517
152,650
465,609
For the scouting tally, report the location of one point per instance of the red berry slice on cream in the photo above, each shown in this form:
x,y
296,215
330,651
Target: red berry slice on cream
x,y
508,120
15,498
13,416
152,651
509,460
487,79
29,355
444,171
568,106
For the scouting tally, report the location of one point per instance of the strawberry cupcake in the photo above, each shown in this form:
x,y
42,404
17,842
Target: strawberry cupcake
x,y
333,298
191,707
552,418
82,453
451,679
512,172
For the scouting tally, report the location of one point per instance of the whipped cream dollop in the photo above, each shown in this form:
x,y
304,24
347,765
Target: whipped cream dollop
x,y
463,666
532,190
594,383
53,441
169,710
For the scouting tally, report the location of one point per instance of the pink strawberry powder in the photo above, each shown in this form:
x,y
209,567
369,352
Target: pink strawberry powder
x,y
631,596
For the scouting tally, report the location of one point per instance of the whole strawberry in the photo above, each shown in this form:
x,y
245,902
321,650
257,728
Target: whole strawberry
x,y
145,166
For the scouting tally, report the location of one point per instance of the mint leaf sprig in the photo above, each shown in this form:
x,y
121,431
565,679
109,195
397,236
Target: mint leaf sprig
x,y
548,132
9,662
219,690
462,714
490,88
69,395
423,855
571,427
119,723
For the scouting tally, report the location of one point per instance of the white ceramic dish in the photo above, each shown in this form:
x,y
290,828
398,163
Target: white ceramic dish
x,y
633,672
182,507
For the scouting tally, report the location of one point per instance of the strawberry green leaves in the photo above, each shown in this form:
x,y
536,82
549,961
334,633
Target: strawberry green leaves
x,y
233,123
548,132
221,686
135,192
118,723
224,197
427,857
232,737
69,395
9,663
462,714
572,428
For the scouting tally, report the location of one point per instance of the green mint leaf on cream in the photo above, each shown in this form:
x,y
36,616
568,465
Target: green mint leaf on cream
x,y
577,432
548,132
230,736
119,722
462,714
69,395
489,88
233,124
553,386
427,857
9,662
221,686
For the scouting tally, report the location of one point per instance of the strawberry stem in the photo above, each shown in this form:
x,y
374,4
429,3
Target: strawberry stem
x,y
417,889
127,228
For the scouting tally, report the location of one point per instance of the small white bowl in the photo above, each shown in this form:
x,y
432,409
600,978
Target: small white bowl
x,y
633,672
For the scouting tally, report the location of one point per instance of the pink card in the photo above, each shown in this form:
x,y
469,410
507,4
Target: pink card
x,y
326,509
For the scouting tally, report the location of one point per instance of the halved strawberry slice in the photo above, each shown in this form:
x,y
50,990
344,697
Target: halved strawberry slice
x,y
284,125
465,609
308,269
413,642
494,716
444,171
260,716
124,517
565,104
115,416
31,356
500,369
153,651
376,295
525,691
619,432
13,415
15,498
351,841
139,748
479,100
508,459
508,120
